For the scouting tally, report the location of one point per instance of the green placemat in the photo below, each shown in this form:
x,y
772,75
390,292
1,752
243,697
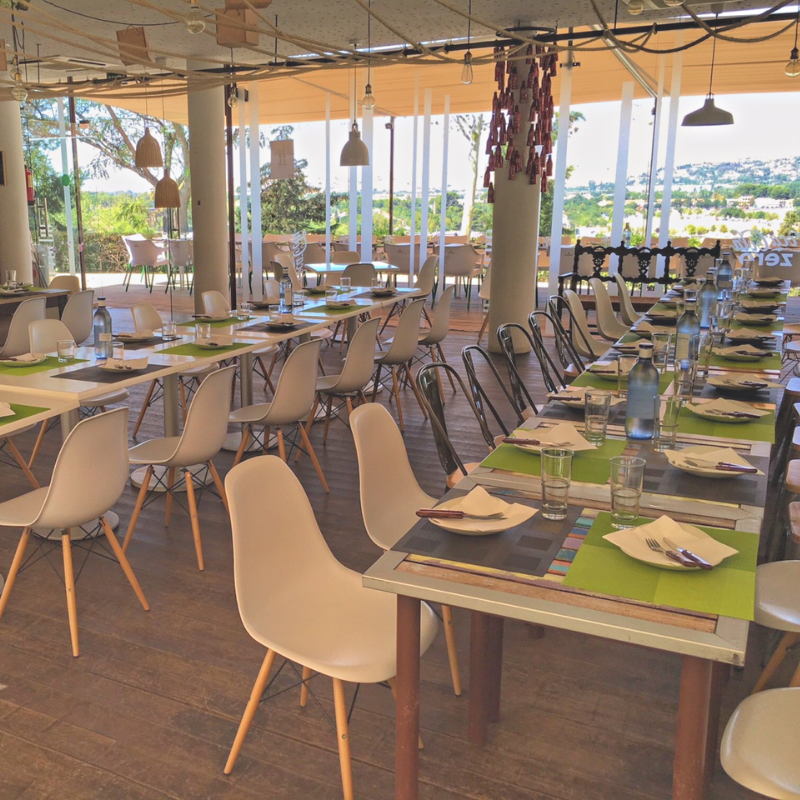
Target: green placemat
x,y
587,379
200,352
727,590
20,412
51,362
761,430
222,323
771,362
588,466
324,311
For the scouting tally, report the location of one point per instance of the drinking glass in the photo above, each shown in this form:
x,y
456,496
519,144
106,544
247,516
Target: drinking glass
x,y
680,307
11,277
685,374
118,350
299,297
661,343
627,477
556,477
344,282
690,294
66,350
705,347
243,310
330,294
377,283
598,406
667,421
624,366
203,330
169,330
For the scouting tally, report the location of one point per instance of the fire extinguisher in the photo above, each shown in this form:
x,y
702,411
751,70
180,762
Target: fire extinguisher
x,y
29,186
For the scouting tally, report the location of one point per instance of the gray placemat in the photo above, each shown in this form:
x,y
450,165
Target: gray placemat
x,y
756,396
100,375
153,341
556,410
528,548
660,477
263,328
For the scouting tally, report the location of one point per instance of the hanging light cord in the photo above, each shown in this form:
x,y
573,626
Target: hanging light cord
x,y
469,25
713,55
369,42
797,23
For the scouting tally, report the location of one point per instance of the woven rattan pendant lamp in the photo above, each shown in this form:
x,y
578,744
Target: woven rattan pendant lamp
x,y
168,195
148,150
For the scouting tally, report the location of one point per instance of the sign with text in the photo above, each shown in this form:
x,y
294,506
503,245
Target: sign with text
x,y
282,159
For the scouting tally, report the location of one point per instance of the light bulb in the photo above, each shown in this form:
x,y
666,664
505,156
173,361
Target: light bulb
x,y
233,98
635,7
18,90
368,100
673,3
793,67
194,20
466,70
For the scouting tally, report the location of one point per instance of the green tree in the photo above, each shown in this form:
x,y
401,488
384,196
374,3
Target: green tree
x,y
471,127
546,211
790,224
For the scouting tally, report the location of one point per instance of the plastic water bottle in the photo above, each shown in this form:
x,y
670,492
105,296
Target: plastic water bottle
x,y
102,331
287,295
627,233
724,272
640,417
687,334
706,300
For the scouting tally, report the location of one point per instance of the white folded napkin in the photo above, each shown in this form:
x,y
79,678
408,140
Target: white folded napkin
x,y
742,378
121,364
563,435
666,313
26,358
743,349
609,368
707,456
682,287
748,333
647,327
577,394
723,406
479,503
5,410
340,303
146,334
756,302
218,339
632,542
744,317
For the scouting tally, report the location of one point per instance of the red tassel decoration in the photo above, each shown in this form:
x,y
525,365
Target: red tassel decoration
x,y
544,184
523,93
517,125
490,194
499,161
549,170
487,178
531,134
529,54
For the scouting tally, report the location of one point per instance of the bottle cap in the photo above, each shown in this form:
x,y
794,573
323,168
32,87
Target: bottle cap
x,y
101,301
646,350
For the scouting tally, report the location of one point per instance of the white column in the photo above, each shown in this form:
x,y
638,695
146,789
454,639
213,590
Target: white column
x,y
672,136
328,248
413,229
15,236
255,191
559,179
651,197
623,145
515,238
426,176
243,188
353,178
445,148
209,193
366,188
65,170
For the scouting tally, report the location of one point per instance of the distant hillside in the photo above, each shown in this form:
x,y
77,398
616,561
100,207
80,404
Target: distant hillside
x,y
731,173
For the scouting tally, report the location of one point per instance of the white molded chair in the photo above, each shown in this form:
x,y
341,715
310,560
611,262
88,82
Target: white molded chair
x,y
146,254
399,255
607,323
761,745
290,407
95,454
485,295
389,515
181,253
402,349
18,340
72,283
147,318
300,603
350,383
315,253
360,274
202,438
462,262
587,345
432,338
77,315
626,310
215,304
424,282
345,257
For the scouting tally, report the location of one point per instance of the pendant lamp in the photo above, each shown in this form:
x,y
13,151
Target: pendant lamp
x,y
148,152
792,69
355,152
168,195
709,114
368,100
466,70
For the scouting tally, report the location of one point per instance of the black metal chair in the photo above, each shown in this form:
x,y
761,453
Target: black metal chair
x,y
555,379
565,346
522,396
429,381
479,395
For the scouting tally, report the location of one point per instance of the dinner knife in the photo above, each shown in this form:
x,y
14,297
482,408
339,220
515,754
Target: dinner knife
x,y
701,562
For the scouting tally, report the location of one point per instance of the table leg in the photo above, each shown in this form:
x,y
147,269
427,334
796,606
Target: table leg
x,y
698,705
69,419
407,713
171,406
246,378
485,670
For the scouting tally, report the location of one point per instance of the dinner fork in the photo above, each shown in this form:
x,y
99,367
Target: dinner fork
x,y
656,547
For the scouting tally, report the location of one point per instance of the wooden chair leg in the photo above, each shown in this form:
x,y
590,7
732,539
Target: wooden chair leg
x,y
14,569
444,361
250,710
168,503
265,445
12,448
123,562
321,365
777,659
415,388
304,688
39,440
349,406
343,737
484,325
396,390
328,412
313,457
145,406
281,446
452,652
69,582
243,444
220,485
137,509
184,409
309,423
190,496
376,382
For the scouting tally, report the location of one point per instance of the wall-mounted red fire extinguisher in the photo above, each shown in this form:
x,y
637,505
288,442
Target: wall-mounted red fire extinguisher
x,y
29,186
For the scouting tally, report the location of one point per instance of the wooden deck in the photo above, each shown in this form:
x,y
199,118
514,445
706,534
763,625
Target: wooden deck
x,y
150,708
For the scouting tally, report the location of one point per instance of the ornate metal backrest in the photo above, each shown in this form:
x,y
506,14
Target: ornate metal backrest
x,y
567,353
553,378
479,395
522,397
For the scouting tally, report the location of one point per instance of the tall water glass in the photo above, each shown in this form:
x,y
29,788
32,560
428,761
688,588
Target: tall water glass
x,y
690,294
624,366
667,420
11,278
203,330
598,406
66,350
661,343
344,282
627,478
556,478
